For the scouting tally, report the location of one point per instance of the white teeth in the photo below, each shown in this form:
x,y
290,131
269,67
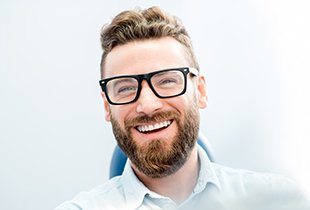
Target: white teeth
x,y
156,126
144,128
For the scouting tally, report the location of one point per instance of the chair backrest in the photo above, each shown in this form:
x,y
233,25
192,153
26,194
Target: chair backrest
x,y
119,158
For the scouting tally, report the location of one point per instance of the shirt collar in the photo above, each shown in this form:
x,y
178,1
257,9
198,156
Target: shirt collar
x,y
135,191
206,173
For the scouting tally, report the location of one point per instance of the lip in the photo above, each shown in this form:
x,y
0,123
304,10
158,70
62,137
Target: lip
x,y
162,133
153,127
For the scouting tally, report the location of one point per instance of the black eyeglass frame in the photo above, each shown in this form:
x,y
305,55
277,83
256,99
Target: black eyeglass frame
x,y
147,77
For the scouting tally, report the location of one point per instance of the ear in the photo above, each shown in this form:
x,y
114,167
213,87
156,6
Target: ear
x,y
106,107
202,92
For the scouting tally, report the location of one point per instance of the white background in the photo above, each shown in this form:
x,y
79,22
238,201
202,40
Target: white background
x,y
54,141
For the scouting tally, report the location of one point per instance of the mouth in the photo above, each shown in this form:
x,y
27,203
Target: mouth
x,y
155,127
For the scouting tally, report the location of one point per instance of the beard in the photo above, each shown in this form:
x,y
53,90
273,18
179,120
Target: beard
x,y
156,159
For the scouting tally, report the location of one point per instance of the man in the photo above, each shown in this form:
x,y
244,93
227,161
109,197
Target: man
x,y
152,93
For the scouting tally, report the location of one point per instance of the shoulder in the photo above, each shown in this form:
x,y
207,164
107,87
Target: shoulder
x,y
104,196
248,179
249,187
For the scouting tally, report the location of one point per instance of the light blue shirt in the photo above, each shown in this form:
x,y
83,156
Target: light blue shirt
x,y
217,188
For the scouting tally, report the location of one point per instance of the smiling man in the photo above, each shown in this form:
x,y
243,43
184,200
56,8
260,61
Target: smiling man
x,y
152,91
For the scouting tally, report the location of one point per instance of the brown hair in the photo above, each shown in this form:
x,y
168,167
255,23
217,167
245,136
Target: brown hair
x,y
137,24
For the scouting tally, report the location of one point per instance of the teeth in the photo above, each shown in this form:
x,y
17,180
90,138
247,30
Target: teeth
x,y
144,128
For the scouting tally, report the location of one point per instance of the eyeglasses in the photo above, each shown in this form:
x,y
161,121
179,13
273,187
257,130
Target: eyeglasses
x,y
165,83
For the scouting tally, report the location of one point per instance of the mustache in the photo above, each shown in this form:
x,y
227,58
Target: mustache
x,y
158,116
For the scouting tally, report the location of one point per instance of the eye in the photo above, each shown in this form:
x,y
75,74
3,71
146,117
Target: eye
x,y
122,86
126,89
167,81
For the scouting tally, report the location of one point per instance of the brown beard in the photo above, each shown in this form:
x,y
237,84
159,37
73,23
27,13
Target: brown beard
x,y
155,159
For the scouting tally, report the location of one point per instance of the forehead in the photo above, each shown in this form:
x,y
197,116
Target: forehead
x,y
145,56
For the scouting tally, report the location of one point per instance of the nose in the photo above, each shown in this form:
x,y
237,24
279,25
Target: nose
x,y
148,102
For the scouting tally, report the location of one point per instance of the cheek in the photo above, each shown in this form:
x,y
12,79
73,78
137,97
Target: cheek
x,y
179,103
120,114
191,94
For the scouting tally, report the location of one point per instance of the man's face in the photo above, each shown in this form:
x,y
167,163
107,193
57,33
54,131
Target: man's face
x,y
156,134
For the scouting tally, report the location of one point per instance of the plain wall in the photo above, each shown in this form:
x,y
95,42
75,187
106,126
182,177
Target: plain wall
x,y
54,141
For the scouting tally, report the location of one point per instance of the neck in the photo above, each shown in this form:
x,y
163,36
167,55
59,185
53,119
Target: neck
x,y
177,186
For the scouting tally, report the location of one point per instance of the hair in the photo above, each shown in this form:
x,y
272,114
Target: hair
x,y
139,25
